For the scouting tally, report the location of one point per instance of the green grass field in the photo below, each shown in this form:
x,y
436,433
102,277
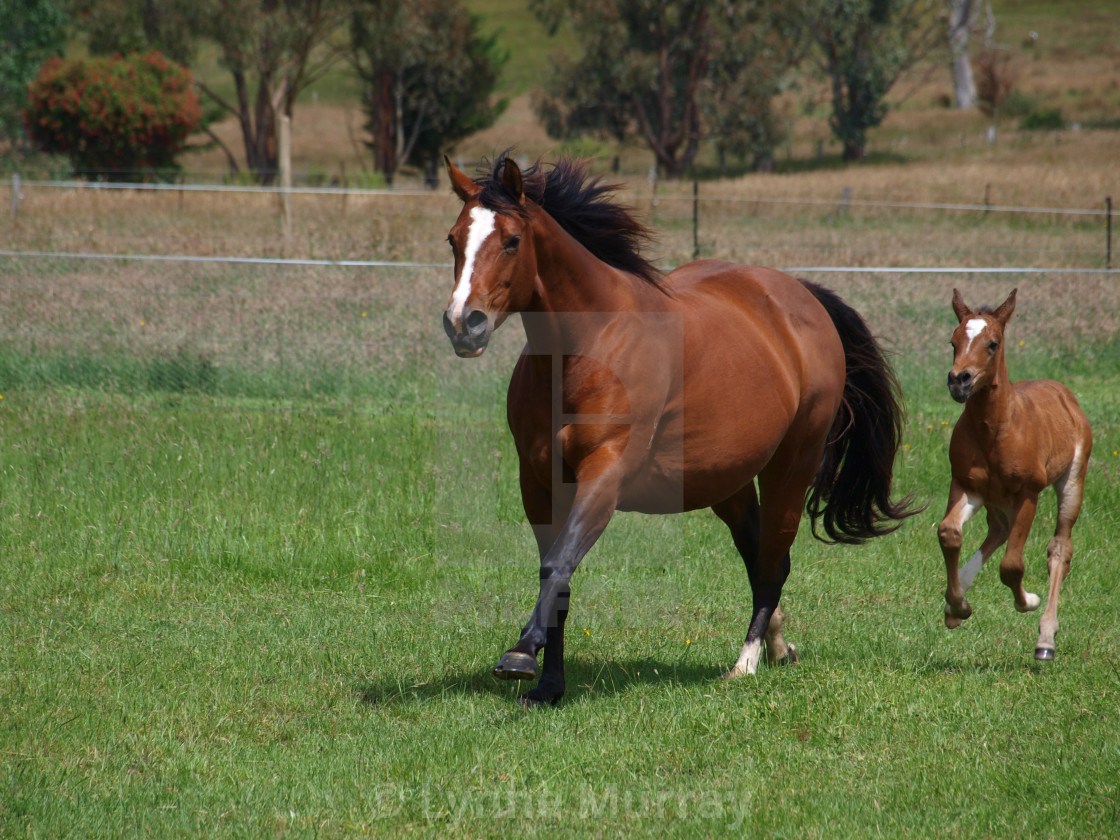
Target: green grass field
x,y
245,615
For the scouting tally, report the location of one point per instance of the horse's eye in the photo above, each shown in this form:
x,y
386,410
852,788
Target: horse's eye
x,y
451,241
993,346
513,243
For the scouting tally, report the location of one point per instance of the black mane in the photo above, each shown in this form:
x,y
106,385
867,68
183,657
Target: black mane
x,y
581,205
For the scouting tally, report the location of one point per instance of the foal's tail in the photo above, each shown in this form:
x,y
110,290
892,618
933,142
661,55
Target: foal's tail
x,y
852,491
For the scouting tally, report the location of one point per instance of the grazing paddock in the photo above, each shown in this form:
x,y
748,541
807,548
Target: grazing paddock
x,y
262,542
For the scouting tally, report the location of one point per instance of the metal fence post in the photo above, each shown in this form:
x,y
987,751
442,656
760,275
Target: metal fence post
x,y
1108,233
17,182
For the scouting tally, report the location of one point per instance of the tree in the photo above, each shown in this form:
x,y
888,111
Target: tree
x,y
862,47
963,15
428,77
117,116
672,73
755,45
31,31
996,75
273,49
642,68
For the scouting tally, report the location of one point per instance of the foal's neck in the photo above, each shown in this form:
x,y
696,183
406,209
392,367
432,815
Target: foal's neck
x,y
990,408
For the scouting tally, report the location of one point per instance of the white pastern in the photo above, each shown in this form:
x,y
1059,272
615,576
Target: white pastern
x,y
748,660
482,225
973,328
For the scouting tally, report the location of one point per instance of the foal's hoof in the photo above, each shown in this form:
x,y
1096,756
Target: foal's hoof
x,y
953,618
516,666
1031,603
1043,654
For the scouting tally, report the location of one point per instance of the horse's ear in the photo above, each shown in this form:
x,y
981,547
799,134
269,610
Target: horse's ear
x,y
1003,312
960,307
511,178
461,183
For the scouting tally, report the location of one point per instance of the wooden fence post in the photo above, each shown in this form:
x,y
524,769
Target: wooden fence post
x,y
286,176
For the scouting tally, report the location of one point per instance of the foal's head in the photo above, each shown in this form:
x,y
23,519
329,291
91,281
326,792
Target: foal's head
x,y
977,346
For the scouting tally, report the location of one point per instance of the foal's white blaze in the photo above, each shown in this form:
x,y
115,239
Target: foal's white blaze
x,y
973,328
482,225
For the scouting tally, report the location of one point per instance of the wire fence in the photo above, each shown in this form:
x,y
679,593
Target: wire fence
x,y
150,288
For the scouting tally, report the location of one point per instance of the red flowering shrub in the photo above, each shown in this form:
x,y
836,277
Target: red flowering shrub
x,y
123,117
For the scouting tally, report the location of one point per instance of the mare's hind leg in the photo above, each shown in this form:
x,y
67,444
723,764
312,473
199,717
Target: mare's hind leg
x,y
741,515
1059,553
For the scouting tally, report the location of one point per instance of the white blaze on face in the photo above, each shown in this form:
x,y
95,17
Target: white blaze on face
x,y
482,225
973,328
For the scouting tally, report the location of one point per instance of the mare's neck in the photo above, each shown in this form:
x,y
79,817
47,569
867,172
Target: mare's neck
x,y
574,290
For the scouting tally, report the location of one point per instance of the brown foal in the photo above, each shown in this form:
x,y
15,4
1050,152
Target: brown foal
x,y
1013,440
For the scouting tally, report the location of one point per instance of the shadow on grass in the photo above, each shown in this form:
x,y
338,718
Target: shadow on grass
x,y
584,678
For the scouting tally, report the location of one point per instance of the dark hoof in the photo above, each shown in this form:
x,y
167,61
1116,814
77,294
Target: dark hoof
x,y
1044,654
537,699
516,666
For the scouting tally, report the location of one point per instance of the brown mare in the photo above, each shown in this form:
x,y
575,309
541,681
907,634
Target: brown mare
x,y
1013,440
664,394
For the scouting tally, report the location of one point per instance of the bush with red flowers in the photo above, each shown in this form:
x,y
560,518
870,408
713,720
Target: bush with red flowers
x,y
122,118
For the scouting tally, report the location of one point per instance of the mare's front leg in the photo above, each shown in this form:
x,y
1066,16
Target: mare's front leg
x,y
591,509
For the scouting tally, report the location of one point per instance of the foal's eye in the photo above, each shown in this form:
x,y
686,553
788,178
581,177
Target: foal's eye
x,y
512,244
451,241
993,346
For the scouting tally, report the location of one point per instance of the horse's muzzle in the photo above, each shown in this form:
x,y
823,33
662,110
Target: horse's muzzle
x,y
471,340
960,385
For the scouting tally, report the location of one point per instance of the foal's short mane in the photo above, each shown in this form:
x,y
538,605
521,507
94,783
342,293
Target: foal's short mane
x,y
580,204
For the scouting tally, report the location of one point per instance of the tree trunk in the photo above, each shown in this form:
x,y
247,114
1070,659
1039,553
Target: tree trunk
x,y
383,126
961,14
854,149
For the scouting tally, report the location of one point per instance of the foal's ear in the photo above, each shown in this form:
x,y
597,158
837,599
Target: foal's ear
x,y
1003,312
511,179
960,307
461,183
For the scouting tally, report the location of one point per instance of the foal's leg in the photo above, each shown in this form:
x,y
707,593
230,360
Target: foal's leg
x,y
1059,553
960,509
1012,565
741,515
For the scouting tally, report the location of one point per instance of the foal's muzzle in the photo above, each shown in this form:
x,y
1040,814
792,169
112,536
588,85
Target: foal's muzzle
x,y
474,332
960,385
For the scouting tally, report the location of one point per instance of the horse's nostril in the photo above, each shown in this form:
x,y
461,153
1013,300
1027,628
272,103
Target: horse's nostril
x,y
448,327
965,377
476,322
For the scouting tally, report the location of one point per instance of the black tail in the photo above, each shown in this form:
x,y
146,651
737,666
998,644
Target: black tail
x,y
852,492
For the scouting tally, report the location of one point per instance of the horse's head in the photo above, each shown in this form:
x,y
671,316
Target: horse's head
x,y
977,345
495,264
